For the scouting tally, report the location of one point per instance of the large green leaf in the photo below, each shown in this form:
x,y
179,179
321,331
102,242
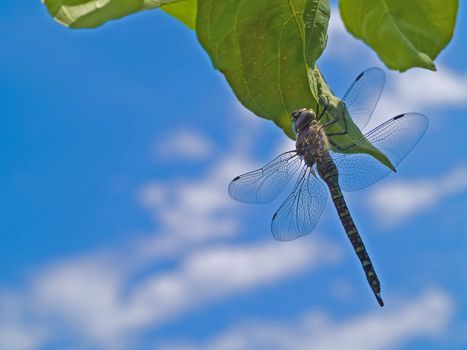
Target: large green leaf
x,y
316,19
260,48
405,34
93,13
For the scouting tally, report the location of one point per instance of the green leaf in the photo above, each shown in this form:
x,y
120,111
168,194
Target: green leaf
x,y
316,18
185,11
93,13
260,48
404,34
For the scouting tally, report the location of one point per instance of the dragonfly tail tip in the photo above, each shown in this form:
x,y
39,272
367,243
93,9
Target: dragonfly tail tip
x,y
380,300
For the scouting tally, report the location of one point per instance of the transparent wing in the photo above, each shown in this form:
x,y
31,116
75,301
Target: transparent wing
x,y
264,185
363,96
395,138
300,212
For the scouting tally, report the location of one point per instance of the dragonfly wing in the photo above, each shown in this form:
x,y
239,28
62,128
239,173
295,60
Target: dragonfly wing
x,y
357,171
363,96
265,184
395,138
300,212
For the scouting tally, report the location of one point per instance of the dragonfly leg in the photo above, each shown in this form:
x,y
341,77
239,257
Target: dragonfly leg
x,y
343,132
336,146
326,104
339,148
332,122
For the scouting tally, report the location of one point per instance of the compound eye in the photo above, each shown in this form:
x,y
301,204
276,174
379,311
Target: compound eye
x,y
294,127
302,121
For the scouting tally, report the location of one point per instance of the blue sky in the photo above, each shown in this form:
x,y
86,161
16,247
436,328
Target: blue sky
x,y
116,149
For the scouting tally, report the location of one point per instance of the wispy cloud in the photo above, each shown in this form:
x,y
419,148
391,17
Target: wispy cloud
x,y
399,200
107,299
98,302
342,46
183,145
217,272
421,90
189,212
18,329
380,329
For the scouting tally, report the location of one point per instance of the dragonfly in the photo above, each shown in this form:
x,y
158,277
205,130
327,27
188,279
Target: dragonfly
x,y
322,165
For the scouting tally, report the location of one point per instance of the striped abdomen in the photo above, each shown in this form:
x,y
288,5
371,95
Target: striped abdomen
x,y
329,174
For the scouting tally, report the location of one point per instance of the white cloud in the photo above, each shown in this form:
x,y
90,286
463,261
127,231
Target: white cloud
x,y
421,90
99,302
424,317
343,47
19,337
183,145
399,200
190,212
223,271
82,297
17,330
107,299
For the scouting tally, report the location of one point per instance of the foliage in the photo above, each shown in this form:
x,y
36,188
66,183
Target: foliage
x,y
268,50
405,34
93,13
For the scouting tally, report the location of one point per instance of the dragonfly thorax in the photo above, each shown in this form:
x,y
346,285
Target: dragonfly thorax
x,y
312,143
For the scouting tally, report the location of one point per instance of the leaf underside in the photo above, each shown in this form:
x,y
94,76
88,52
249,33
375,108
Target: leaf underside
x,y
404,34
260,48
94,13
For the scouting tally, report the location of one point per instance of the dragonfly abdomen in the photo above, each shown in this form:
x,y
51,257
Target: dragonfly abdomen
x,y
330,175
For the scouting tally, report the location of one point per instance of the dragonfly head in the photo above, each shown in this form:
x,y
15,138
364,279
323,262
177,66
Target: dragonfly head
x,y
301,119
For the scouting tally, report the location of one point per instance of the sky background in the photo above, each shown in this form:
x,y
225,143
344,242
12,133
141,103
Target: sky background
x,y
116,230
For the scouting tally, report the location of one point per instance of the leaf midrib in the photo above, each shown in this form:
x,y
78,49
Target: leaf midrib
x,y
294,14
302,34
